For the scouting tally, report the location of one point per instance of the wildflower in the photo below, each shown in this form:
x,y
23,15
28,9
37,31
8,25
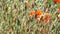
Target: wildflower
x,y
59,16
47,16
38,12
58,8
42,21
32,12
38,16
56,1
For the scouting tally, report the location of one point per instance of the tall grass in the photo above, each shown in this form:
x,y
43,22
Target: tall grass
x,y
15,18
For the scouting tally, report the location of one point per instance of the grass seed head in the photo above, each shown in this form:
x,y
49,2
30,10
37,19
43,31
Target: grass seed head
x,y
59,16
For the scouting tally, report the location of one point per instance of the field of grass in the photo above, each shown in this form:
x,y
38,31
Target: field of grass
x,y
15,17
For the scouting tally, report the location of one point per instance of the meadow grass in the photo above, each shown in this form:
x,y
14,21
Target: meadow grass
x,y
15,17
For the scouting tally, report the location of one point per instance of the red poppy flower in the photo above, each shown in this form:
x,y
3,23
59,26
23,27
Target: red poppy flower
x,y
38,16
43,20
38,12
56,1
32,12
47,16
58,8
